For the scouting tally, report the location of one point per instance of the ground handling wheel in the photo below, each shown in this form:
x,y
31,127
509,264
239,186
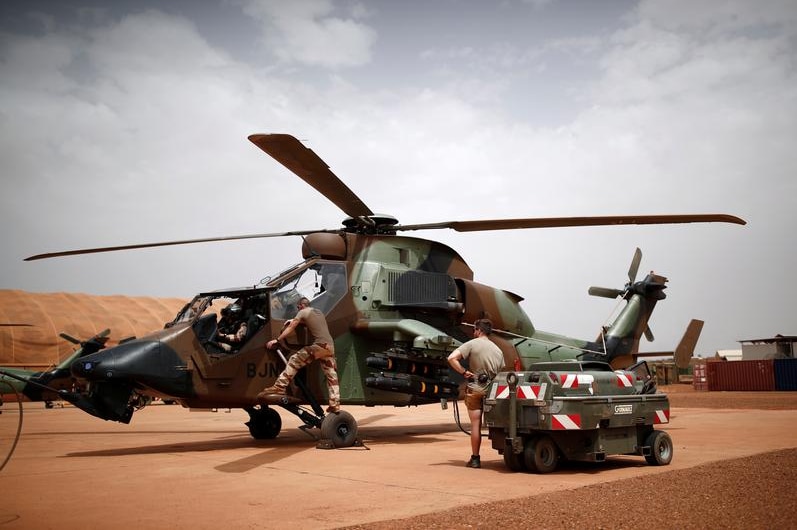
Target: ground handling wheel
x,y
340,428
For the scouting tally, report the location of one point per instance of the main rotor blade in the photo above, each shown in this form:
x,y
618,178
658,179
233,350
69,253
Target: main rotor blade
x,y
68,337
558,222
168,243
308,166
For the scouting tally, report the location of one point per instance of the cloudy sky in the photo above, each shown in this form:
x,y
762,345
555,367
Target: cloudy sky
x,y
126,122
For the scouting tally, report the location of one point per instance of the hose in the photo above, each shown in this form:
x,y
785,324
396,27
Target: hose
x,y
19,425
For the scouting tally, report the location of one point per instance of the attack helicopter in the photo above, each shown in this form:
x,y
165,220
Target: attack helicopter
x,y
52,384
396,307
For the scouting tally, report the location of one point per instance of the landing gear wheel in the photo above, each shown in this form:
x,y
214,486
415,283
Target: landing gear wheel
x,y
661,448
264,423
541,454
340,428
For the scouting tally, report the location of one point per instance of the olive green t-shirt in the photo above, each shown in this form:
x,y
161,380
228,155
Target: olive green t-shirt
x,y
483,357
317,325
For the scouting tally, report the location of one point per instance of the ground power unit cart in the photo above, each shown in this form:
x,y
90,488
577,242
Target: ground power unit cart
x,y
581,411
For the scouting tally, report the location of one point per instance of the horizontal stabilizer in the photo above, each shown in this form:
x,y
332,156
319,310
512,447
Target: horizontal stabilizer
x,y
686,347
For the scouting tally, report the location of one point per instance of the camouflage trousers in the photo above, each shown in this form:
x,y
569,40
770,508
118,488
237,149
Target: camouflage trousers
x,y
307,355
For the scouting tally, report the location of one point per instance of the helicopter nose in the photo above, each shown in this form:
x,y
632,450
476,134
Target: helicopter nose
x,y
118,362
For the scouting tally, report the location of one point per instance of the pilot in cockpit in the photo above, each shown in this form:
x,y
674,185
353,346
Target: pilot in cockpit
x,y
233,328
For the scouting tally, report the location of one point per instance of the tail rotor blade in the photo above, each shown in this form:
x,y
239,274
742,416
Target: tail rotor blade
x,y
632,271
605,292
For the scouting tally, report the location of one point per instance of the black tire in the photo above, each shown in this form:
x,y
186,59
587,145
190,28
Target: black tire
x,y
540,454
514,461
340,428
264,423
661,448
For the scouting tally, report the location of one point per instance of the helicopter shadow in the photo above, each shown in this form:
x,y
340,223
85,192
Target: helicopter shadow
x,y
278,448
121,433
403,434
275,449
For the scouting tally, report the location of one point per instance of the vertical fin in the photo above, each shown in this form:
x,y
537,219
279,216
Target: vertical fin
x,y
686,347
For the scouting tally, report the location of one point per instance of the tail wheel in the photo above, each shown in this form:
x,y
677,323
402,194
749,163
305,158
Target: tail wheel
x,y
340,428
661,448
541,454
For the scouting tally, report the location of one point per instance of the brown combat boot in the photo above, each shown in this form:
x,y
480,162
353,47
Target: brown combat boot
x,y
272,390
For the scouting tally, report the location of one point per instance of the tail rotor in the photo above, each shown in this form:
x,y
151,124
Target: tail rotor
x,y
606,292
651,287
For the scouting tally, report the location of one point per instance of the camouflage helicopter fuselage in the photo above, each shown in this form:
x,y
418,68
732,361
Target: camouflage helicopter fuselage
x,y
396,307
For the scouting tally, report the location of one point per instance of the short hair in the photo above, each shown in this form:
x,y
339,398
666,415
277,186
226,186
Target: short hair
x,y
304,300
484,325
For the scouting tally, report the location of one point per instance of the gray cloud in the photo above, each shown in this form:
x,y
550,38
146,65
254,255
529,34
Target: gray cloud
x,y
129,125
306,32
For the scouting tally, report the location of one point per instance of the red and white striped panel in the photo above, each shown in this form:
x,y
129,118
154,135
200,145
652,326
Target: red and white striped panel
x,y
565,422
499,392
576,380
624,379
662,416
522,391
531,391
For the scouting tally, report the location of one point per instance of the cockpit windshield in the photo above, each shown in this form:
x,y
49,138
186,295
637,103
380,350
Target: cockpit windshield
x,y
224,321
192,310
324,284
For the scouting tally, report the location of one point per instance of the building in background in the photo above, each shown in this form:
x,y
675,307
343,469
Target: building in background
x,y
777,347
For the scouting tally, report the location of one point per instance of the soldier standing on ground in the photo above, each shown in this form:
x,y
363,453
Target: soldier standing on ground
x,y
485,360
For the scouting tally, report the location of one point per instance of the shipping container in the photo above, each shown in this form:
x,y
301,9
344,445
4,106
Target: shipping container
x,y
758,375
785,374
699,377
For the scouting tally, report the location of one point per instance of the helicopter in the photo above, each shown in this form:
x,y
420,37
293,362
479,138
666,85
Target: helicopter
x,y
396,307
51,384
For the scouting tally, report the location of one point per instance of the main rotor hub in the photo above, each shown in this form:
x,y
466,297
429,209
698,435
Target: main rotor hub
x,y
371,224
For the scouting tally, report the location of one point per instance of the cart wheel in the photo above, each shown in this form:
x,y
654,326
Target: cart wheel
x,y
514,461
541,454
660,448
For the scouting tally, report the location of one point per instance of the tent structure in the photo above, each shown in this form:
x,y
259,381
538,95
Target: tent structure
x,y
30,323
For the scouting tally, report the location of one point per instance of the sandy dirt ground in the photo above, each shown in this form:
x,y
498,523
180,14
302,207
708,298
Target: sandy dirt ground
x,y
735,466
